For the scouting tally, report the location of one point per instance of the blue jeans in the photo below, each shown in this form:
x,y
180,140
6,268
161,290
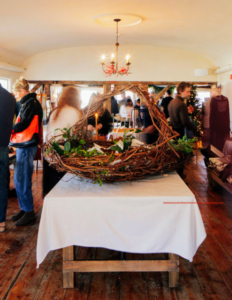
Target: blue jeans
x,y
4,169
23,175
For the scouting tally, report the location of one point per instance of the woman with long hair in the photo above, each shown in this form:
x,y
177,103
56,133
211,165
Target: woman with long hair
x,y
66,114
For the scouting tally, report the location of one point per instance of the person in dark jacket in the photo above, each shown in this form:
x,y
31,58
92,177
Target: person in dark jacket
x,y
7,108
137,106
104,122
114,106
178,112
165,102
25,156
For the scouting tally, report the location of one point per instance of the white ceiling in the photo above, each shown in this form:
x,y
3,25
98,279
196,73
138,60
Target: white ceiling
x,y
28,27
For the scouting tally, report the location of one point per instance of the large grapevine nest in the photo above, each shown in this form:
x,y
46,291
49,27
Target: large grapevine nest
x,y
132,164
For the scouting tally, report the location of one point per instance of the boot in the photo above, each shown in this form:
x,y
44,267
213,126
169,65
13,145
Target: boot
x,y
26,218
18,216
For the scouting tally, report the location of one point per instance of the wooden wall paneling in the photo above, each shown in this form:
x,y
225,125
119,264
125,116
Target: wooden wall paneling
x,y
119,82
106,90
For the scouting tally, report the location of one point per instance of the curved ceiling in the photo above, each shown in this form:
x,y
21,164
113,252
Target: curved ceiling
x,y
200,26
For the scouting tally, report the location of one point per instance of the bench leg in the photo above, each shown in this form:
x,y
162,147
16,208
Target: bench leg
x,y
68,278
173,276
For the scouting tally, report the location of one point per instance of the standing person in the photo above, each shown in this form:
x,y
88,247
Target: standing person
x,y
104,122
27,125
165,102
125,110
7,109
114,106
137,106
67,113
122,101
178,110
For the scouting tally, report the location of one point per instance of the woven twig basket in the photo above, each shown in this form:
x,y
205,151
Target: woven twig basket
x,y
133,164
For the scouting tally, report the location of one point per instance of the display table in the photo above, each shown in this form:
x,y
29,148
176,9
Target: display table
x,y
138,217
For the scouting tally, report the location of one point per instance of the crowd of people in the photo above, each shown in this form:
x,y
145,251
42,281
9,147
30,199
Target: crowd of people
x,y
24,134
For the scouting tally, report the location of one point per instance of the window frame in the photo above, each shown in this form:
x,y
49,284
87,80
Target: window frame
x,y
8,80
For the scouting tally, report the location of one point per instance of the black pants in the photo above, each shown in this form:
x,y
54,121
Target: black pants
x,y
50,177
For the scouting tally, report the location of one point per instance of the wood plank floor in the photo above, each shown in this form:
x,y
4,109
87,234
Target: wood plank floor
x,y
208,277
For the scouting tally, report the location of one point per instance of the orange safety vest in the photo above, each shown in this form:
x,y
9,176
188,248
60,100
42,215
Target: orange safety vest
x,y
27,134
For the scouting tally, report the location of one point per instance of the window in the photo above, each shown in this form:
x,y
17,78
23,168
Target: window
x,y
203,95
86,93
5,83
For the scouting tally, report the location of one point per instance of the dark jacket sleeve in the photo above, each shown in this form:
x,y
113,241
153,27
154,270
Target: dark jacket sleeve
x,y
185,119
26,118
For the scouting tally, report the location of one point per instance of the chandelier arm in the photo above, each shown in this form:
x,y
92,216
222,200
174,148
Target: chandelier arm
x,y
103,67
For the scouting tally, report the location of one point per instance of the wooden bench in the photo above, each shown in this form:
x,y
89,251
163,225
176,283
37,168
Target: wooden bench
x,y
213,175
214,181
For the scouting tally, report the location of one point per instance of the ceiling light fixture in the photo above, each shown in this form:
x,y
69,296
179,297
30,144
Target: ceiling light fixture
x,y
112,67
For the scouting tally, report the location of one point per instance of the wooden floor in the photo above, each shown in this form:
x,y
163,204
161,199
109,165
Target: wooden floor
x,y
208,277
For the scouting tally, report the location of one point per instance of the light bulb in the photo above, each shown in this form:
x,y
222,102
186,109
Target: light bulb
x,y
127,58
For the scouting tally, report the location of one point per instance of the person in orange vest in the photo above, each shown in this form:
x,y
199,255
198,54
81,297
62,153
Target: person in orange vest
x,y
25,137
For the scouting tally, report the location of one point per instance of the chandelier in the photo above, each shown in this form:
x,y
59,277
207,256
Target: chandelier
x,y
112,67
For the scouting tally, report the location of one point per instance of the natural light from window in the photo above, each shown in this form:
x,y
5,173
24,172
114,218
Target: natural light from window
x,y
203,95
5,83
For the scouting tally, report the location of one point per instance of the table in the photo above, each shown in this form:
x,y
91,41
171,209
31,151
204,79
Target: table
x,y
137,217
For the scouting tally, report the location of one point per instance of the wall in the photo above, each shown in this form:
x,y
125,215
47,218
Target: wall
x,y
224,80
11,75
148,64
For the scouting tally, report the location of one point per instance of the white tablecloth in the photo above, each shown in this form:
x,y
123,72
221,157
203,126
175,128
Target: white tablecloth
x,y
122,216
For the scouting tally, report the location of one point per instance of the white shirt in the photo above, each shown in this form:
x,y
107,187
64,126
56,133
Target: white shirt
x,y
125,111
67,117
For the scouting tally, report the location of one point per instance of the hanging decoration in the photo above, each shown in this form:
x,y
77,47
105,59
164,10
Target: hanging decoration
x,y
112,67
